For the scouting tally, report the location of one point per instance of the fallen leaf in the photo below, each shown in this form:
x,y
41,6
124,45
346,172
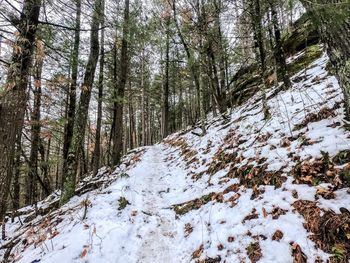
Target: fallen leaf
x,y
198,252
264,212
83,253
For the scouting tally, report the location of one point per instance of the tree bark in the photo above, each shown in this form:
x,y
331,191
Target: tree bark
x,y
132,141
68,131
143,101
259,43
76,151
16,183
221,57
45,158
280,58
32,195
120,90
13,101
115,104
165,95
97,150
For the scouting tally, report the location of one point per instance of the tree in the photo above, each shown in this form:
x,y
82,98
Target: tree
x,y
333,21
33,174
76,151
192,66
280,58
165,95
71,94
120,90
256,14
13,100
97,150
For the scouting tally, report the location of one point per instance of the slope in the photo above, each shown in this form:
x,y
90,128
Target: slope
x,y
249,190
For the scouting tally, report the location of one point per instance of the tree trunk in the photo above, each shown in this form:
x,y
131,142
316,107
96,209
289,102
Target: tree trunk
x,y
181,100
258,36
115,104
13,101
280,58
32,195
75,152
132,142
221,58
333,21
16,183
165,95
45,157
143,102
97,150
120,90
194,73
68,131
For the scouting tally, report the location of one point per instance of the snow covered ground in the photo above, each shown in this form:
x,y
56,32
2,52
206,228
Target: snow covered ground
x,y
233,195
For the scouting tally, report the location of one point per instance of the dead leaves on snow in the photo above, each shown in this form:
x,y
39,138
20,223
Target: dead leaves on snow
x,y
278,235
322,170
183,208
254,252
188,154
311,212
252,215
188,229
324,113
198,252
328,229
325,193
298,254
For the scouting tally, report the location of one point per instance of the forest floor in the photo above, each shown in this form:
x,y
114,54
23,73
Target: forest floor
x,y
249,190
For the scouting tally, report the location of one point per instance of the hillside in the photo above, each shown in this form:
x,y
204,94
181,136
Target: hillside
x,y
251,189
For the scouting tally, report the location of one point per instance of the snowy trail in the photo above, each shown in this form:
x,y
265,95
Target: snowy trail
x,y
187,168
160,232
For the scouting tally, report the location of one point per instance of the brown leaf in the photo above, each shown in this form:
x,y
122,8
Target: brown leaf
x,y
264,212
233,199
298,254
254,252
231,188
230,239
188,229
218,197
198,252
325,193
285,142
83,253
277,236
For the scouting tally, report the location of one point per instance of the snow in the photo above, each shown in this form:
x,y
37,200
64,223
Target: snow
x,y
149,230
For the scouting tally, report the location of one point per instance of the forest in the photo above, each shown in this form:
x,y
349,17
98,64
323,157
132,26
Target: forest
x,y
195,130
